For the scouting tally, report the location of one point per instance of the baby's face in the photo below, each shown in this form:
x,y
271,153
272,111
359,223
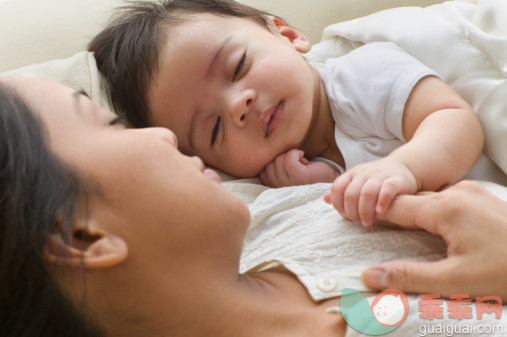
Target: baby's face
x,y
234,93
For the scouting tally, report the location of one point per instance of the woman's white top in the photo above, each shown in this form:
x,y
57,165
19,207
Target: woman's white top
x,y
295,228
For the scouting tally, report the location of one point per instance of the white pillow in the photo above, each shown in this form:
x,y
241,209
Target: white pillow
x,y
78,71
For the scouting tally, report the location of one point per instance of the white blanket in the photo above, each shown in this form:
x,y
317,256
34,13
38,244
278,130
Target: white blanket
x,y
465,42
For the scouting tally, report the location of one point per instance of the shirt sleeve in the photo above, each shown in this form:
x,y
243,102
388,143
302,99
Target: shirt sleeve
x,y
367,89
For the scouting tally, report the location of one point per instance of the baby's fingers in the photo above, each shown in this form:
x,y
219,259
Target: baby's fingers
x,y
273,174
351,198
368,201
292,161
267,175
391,187
337,193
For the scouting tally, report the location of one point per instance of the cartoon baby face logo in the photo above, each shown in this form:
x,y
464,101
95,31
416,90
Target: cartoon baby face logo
x,y
386,312
390,307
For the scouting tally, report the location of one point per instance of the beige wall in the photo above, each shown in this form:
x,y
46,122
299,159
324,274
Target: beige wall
x,y
42,30
311,16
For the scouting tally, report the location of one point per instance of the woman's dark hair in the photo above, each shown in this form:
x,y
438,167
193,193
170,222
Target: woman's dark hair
x,y
38,195
127,49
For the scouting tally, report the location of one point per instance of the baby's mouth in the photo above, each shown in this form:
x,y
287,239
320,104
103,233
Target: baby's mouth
x,y
271,118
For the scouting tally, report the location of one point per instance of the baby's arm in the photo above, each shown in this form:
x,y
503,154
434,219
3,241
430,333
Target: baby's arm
x,y
292,168
444,139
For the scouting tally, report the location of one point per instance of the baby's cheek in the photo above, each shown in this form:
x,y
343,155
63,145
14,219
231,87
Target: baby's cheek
x,y
246,163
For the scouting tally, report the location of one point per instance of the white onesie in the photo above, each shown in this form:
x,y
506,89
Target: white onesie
x,y
367,90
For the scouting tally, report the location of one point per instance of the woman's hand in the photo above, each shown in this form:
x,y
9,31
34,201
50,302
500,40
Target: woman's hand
x,y
473,222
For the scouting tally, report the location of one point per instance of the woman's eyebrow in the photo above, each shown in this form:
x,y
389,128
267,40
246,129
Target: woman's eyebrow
x,y
76,95
81,92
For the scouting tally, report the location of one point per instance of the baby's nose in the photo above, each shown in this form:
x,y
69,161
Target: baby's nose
x,y
240,105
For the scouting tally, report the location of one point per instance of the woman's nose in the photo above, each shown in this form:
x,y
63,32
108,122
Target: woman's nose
x,y
162,133
239,105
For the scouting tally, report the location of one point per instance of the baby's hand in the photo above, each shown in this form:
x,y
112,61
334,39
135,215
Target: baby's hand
x,y
368,188
292,168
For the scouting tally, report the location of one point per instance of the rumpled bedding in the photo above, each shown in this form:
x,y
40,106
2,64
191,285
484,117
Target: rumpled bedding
x,y
464,41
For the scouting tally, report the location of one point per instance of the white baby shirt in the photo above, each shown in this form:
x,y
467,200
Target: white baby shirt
x,y
367,90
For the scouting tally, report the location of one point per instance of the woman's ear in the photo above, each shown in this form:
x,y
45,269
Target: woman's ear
x,y
87,247
298,40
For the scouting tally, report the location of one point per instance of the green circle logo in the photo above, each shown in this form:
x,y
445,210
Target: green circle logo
x,y
386,313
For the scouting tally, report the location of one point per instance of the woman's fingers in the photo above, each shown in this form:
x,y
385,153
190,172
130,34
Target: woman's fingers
x,y
414,210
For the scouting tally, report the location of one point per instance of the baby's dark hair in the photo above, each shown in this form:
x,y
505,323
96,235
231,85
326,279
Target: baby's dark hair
x,y
38,194
127,50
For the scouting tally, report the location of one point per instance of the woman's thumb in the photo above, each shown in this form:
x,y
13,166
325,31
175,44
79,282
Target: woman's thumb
x,y
407,276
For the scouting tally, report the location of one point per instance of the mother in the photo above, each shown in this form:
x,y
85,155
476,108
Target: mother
x,y
106,231
120,227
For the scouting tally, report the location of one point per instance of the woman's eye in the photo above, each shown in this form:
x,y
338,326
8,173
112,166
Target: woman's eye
x,y
215,131
119,119
240,65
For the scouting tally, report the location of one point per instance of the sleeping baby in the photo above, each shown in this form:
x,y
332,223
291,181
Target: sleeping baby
x,y
231,82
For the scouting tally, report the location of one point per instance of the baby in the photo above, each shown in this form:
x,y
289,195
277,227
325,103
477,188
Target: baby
x,y
231,82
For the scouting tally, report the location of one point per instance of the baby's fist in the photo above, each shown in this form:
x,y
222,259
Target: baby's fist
x,y
292,168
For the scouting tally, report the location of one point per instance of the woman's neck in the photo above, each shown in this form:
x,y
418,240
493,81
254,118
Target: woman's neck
x,y
204,295
270,303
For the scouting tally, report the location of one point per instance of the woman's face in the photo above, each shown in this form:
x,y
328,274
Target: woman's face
x,y
148,193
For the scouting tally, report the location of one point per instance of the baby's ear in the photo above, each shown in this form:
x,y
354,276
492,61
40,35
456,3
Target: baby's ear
x,y
298,40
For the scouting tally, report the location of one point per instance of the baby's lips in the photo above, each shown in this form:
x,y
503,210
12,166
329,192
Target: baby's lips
x,y
211,175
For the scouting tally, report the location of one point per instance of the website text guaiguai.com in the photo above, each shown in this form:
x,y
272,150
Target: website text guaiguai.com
x,y
451,330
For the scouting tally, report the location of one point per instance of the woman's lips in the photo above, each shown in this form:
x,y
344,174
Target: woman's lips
x,y
207,172
211,175
271,118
